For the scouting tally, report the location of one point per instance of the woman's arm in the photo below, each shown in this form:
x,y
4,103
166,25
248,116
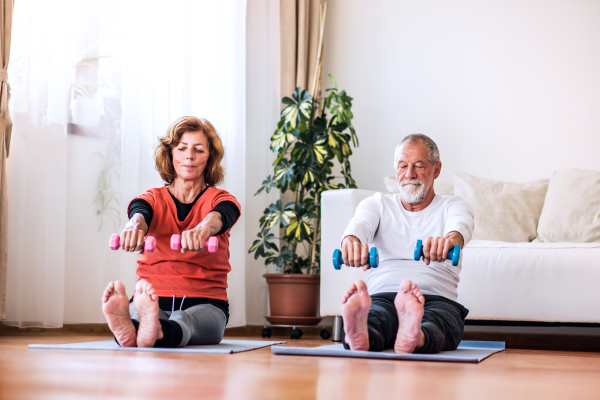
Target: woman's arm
x,y
132,237
194,239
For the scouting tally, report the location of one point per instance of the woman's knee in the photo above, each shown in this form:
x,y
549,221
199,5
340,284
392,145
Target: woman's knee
x,y
203,324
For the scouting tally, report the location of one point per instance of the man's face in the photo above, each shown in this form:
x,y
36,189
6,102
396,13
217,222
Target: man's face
x,y
414,172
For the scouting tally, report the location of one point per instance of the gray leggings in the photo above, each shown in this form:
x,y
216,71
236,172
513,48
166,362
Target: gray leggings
x,y
201,324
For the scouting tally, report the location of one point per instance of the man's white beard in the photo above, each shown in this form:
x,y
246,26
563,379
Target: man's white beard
x,y
413,191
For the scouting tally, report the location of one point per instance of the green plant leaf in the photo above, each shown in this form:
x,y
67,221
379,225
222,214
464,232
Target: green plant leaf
x,y
284,173
285,255
260,246
298,109
299,227
310,151
332,80
281,139
277,213
267,185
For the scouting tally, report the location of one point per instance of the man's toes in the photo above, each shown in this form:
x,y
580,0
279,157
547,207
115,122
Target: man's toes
x,y
405,286
417,293
361,286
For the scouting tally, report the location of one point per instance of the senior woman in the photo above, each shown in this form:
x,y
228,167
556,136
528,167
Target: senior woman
x,y
181,297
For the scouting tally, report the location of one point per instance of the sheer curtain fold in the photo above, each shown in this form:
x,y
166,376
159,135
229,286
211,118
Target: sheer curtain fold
x,y
6,15
136,66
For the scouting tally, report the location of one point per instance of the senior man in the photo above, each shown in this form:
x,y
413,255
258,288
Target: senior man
x,y
407,305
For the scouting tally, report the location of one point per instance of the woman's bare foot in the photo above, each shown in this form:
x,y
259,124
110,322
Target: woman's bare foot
x,y
356,304
115,306
409,304
146,304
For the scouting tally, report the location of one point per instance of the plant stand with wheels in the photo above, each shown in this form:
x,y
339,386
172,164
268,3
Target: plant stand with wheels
x,y
296,333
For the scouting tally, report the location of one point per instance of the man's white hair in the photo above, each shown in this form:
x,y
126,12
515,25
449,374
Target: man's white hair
x,y
434,152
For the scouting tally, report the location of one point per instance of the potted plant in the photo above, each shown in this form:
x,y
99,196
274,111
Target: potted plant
x,y
87,96
86,109
310,136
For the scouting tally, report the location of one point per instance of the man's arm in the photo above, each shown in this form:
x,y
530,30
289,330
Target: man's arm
x,y
360,230
460,222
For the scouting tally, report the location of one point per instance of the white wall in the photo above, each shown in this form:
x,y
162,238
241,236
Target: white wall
x,y
508,89
262,114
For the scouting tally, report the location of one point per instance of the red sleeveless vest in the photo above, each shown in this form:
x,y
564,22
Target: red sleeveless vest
x,y
193,274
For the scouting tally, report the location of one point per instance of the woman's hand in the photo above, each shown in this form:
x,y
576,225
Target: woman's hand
x,y
194,239
355,253
132,237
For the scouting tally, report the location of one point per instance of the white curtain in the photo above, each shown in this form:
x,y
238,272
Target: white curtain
x,y
94,84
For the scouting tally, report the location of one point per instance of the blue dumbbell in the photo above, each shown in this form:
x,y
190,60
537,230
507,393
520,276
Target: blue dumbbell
x,y
373,258
453,254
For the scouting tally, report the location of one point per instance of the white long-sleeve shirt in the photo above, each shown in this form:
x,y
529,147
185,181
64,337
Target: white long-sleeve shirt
x,y
382,221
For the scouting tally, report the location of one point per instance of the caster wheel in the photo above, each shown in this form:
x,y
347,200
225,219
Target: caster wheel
x,y
266,332
296,334
325,334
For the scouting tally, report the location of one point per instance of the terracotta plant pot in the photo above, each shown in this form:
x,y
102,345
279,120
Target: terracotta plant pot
x,y
293,298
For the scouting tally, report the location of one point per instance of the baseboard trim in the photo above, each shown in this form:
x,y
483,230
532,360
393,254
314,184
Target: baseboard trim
x,y
248,330
67,328
482,322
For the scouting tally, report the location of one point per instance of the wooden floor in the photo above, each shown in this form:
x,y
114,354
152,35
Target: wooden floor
x,y
56,374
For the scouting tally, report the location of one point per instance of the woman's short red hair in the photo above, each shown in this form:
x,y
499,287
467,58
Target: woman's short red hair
x,y
214,172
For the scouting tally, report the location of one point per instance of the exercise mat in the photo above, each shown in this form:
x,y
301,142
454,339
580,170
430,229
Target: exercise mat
x,y
225,347
467,351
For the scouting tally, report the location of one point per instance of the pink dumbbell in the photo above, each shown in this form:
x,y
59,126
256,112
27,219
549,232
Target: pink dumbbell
x,y
115,242
212,244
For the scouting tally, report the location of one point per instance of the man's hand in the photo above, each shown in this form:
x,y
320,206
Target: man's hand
x,y
437,248
355,253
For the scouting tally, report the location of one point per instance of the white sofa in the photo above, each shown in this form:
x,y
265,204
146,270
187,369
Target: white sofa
x,y
549,282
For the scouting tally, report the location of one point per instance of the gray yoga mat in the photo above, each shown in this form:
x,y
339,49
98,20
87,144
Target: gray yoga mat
x,y
225,347
467,351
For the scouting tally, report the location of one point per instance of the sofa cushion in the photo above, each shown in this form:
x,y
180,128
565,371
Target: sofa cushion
x,y
441,188
504,211
529,281
571,211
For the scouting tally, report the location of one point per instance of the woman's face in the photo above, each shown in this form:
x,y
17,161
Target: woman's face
x,y
190,156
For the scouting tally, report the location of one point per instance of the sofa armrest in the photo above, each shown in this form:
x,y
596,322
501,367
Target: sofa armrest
x,y
337,208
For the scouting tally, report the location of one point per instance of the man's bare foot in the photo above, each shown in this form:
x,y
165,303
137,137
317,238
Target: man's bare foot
x,y
115,306
409,304
146,304
356,304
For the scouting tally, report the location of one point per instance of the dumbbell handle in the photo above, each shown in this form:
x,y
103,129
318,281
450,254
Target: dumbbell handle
x,y
338,260
115,242
212,244
453,254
